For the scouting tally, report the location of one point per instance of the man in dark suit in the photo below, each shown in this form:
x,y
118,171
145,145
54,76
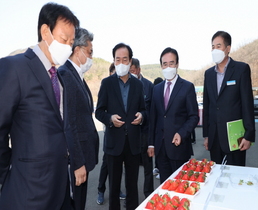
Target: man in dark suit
x,y
227,97
146,161
173,116
34,171
121,108
80,105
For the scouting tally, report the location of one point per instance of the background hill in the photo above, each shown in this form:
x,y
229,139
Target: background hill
x,y
100,69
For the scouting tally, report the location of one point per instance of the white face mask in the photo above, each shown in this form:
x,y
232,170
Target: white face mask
x,y
59,52
122,69
85,67
169,73
217,56
135,75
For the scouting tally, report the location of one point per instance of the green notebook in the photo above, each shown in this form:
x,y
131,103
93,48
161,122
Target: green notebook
x,y
236,132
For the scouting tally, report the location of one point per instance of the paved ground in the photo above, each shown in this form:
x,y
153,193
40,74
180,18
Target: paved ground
x,y
199,153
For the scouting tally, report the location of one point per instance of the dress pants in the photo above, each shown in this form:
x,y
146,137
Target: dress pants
x,y
166,165
237,157
67,204
103,175
80,195
115,168
148,187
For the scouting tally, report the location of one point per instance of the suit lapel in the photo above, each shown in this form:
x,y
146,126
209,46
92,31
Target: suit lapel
x,y
161,94
89,96
41,74
228,74
174,92
213,82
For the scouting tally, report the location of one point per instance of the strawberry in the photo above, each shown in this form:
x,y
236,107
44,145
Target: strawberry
x,y
166,185
166,198
190,190
193,161
211,163
159,206
207,168
192,167
184,202
185,167
150,205
196,185
201,178
183,208
175,201
185,177
179,175
174,184
204,160
194,176
169,206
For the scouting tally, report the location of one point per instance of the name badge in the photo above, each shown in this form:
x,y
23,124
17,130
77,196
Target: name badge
x,y
232,82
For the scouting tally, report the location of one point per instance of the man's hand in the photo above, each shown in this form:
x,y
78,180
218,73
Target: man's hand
x,y
150,151
205,143
245,145
80,176
177,139
138,118
116,120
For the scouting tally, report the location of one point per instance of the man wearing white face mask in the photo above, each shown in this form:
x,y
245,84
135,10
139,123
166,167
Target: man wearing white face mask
x,y
34,171
80,110
173,116
121,108
227,97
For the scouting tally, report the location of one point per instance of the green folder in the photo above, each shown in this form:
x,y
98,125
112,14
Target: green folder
x,y
236,132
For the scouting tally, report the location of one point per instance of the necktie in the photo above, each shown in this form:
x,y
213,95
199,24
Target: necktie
x,y
166,97
55,84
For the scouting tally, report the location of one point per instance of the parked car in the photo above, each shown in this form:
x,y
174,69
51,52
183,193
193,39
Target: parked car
x,y
255,106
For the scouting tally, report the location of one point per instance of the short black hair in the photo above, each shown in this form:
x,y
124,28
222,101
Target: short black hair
x,y
122,45
135,62
157,80
51,12
169,50
225,35
112,68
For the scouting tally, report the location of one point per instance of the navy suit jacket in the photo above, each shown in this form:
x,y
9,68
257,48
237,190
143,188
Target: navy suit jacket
x,y
233,102
80,110
33,172
110,102
181,116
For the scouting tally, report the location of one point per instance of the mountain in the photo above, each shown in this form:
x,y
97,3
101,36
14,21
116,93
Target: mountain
x,y
100,69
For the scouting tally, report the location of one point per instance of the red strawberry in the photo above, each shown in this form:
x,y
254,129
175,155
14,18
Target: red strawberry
x,y
201,178
166,198
173,185
195,185
207,168
179,175
193,161
205,160
159,206
183,208
166,185
211,163
190,190
184,202
194,176
175,201
169,206
150,205
185,167
185,177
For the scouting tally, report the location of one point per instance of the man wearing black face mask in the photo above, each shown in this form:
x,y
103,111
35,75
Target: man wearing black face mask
x,y
80,109
227,97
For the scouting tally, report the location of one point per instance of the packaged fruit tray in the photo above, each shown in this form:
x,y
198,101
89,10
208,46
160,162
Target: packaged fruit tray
x,y
164,201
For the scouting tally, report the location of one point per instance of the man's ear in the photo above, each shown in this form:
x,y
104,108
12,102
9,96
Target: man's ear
x,y
44,30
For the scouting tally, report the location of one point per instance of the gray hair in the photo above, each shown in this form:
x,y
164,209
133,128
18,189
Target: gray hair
x,y
81,38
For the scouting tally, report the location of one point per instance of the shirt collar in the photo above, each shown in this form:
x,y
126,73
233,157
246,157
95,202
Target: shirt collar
x,y
42,57
225,68
78,69
173,81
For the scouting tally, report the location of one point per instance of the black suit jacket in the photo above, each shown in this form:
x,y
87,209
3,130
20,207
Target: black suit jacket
x,y
33,173
234,102
110,102
80,110
181,116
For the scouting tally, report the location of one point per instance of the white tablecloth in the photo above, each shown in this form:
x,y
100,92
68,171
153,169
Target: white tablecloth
x,y
220,193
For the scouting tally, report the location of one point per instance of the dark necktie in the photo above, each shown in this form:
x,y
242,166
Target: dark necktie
x,y
55,84
166,97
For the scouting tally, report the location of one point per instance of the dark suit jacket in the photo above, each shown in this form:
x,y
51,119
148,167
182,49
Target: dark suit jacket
x,y
234,102
80,110
181,116
147,89
110,102
38,160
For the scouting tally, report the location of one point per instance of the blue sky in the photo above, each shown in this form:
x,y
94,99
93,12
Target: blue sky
x,y
148,26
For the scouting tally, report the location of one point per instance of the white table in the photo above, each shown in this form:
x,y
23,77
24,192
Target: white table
x,y
219,192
